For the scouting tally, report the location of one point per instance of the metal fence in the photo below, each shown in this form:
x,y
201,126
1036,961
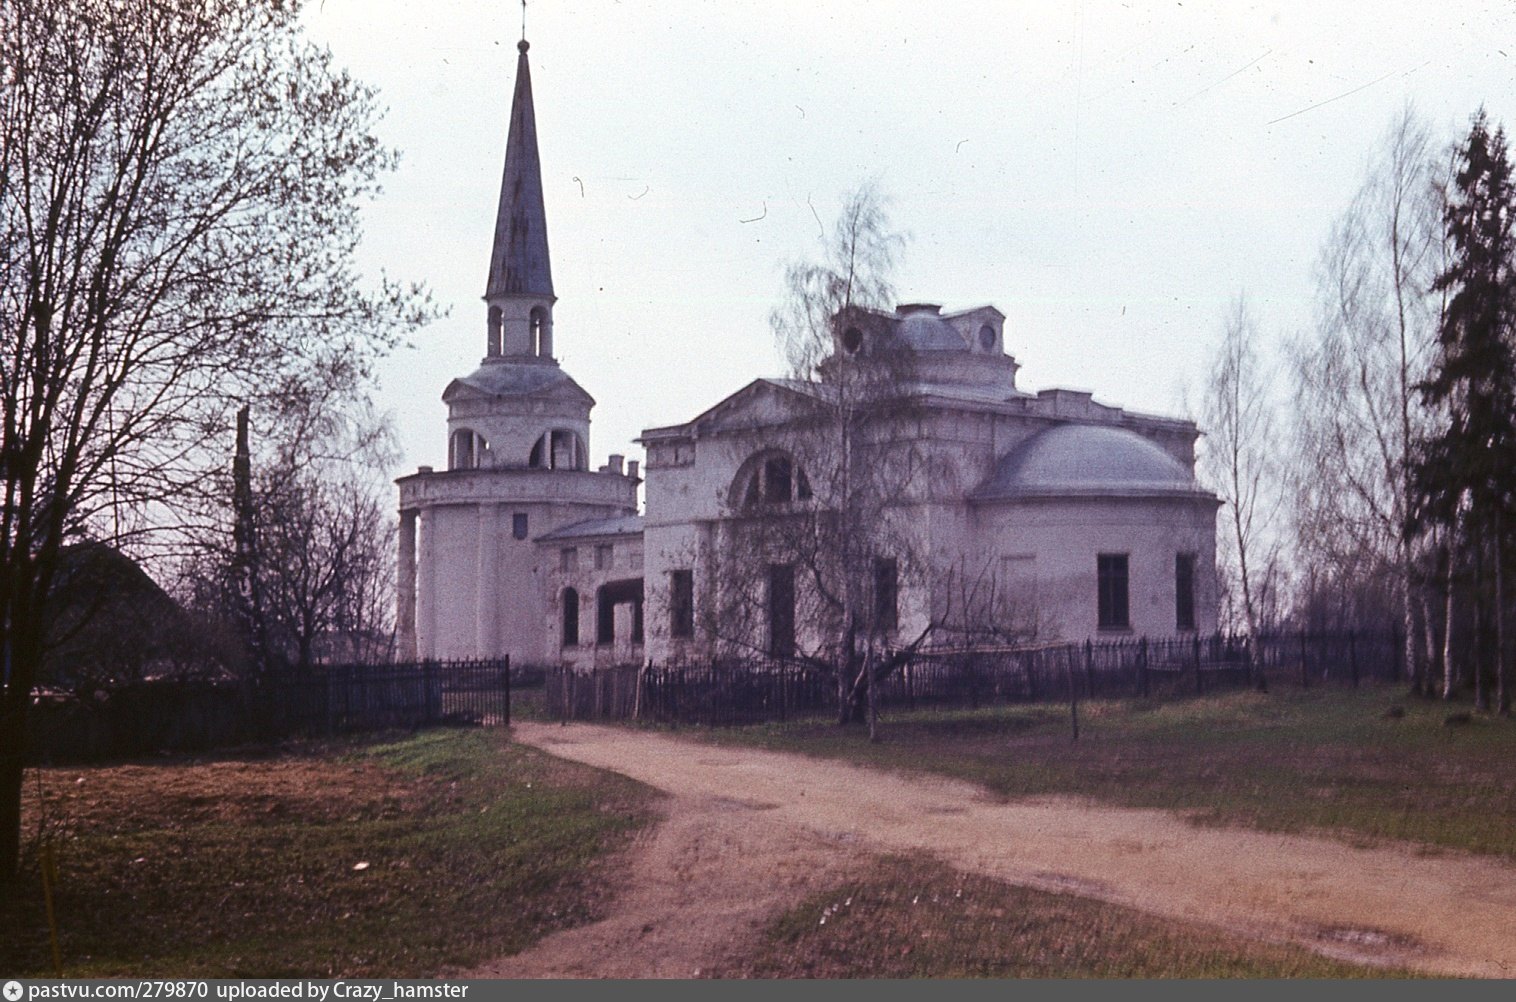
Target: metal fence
x,y
738,692
195,715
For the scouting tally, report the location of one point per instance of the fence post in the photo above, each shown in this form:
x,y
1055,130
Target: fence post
x,y
1068,664
1353,656
1305,675
1142,666
1199,683
507,670
1089,666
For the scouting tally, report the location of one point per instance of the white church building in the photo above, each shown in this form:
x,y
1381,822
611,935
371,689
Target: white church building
x,y
1011,516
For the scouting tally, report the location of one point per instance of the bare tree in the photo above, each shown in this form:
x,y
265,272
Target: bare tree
x,y
178,212
819,553
1238,416
304,570
1357,410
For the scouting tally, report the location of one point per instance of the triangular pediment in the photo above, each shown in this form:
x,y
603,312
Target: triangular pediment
x,y
761,403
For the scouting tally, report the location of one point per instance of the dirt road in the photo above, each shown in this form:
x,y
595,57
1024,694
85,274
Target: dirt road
x,y
748,832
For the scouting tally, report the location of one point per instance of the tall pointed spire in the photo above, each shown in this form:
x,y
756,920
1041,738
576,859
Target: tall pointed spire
x,y
519,260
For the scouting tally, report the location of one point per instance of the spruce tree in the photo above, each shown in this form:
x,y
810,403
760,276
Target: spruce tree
x,y
1470,461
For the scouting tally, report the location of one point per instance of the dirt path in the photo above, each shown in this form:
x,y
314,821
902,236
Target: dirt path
x,y
749,832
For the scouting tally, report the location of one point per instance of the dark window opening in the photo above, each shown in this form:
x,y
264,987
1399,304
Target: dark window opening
x,y
1184,591
886,594
537,319
852,340
467,450
776,480
1111,571
987,337
609,596
604,556
559,449
570,617
518,525
781,610
682,603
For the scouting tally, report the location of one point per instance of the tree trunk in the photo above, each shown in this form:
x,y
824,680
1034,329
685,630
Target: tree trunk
x,y
1449,675
12,764
1502,695
1429,644
1481,629
1408,622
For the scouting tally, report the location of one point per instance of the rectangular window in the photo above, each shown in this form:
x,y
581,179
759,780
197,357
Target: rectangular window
x,y
886,593
682,603
570,617
1111,571
781,610
1184,591
568,559
604,556
518,525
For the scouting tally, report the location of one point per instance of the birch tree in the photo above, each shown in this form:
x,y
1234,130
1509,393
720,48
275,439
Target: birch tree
x,y
1357,411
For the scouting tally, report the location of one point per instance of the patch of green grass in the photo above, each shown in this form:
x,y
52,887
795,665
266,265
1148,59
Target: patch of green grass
x,y
400,858
914,918
1326,760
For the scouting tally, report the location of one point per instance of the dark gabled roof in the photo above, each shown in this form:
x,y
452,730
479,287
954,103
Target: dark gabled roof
x,y
519,259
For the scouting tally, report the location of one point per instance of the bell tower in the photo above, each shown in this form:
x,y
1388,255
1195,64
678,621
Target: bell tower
x,y
472,576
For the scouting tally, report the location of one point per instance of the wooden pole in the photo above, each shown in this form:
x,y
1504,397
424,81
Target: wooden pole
x,y
1068,664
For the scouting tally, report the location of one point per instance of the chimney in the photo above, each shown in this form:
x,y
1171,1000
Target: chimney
x,y
613,463
631,468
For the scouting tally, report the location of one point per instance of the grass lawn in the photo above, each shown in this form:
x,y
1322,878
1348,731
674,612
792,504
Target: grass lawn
x,y
1321,760
914,918
402,857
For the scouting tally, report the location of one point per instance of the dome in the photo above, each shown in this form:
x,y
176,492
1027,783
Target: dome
x,y
511,379
1072,460
929,332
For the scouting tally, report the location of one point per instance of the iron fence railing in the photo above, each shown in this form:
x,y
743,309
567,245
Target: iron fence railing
x,y
749,691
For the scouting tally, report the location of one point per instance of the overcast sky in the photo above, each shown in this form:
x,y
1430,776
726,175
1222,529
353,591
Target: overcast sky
x,y
1110,175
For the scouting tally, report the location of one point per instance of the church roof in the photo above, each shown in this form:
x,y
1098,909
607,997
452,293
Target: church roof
x,y
616,525
519,260
929,332
500,378
1086,460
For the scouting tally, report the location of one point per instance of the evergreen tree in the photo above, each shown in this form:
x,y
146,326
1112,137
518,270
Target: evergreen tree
x,y
1469,462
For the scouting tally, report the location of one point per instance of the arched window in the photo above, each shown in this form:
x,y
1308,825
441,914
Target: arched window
x,y
538,323
494,330
570,617
987,338
771,478
466,450
559,449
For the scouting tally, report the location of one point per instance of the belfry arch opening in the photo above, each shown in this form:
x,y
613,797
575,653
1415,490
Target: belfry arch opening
x,y
559,449
467,450
539,332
